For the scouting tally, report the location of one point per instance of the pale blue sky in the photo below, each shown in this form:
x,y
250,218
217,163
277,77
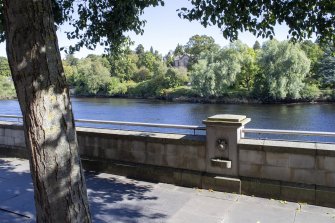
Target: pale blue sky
x,y
164,30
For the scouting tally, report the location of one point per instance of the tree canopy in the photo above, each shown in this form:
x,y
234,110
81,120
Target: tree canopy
x,y
97,22
304,18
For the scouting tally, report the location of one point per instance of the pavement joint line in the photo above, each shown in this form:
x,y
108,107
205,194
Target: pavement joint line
x,y
14,196
13,212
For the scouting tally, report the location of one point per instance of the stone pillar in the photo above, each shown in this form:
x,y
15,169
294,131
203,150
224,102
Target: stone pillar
x,y
222,135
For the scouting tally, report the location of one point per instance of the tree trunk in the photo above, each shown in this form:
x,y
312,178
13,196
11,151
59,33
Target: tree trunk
x,y
36,66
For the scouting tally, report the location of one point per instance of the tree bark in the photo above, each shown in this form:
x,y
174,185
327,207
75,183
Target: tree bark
x,y
36,66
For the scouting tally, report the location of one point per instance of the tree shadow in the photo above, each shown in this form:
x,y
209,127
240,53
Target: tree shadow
x,y
17,193
111,198
114,200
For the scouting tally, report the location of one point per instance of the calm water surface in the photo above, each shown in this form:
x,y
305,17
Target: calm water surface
x,y
315,117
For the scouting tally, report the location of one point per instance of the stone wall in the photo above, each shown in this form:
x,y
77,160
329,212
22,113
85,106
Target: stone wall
x,y
158,149
309,163
288,166
276,169
12,142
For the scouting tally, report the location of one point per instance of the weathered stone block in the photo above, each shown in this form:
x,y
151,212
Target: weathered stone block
x,y
308,176
92,141
261,188
87,151
175,161
110,154
194,164
277,159
325,196
155,148
3,140
201,152
155,159
329,163
191,179
9,141
252,157
19,142
124,145
95,151
111,143
250,170
225,184
325,149
298,194
319,162
9,132
289,147
81,140
2,132
138,156
302,161
138,146
250,144
330,179
17,134
173,150
276,173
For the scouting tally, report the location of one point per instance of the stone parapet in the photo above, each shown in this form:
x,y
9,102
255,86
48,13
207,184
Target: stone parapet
x,y
296,162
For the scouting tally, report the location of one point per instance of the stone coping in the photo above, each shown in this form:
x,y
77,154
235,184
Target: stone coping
x,y
11,125
128,134
311,148
227,118
208,122
146,136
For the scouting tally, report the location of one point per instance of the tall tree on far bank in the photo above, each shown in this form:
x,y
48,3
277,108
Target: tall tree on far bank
x,y
284,67
326,67
197,45
139,49
314,52
257,46
4,67
179,51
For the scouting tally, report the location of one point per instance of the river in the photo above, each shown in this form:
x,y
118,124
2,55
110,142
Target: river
x,y
312,117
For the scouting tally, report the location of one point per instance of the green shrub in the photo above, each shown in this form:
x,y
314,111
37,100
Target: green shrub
x,y
181,91
310,92
7,88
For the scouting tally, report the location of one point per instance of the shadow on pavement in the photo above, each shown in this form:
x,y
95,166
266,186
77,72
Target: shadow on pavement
x,y
114,200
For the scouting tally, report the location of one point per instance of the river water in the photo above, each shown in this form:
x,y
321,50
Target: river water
x,y
312,117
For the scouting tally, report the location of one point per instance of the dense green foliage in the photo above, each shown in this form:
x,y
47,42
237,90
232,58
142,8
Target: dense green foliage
x,y
274,71
6,84
327,67
284,68
232,69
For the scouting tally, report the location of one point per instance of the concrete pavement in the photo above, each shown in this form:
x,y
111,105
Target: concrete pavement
x,y
119,199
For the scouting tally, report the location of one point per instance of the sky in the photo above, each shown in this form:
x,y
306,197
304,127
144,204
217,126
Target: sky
x,y
164,30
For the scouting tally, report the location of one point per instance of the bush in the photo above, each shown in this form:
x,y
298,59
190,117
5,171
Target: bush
x,y
7,88
310,92
181,91
115,87
142,74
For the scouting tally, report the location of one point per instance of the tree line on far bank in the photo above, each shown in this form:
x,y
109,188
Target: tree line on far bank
x,y
275,71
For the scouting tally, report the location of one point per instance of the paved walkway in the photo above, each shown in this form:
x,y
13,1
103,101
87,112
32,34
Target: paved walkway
x,y
118,199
